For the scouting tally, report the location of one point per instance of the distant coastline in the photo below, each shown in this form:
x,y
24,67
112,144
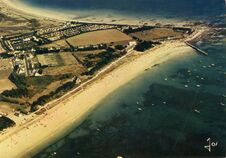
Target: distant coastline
x,y
24,9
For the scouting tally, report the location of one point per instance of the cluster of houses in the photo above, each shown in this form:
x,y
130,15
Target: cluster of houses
x,y
26,64
71,30
21,41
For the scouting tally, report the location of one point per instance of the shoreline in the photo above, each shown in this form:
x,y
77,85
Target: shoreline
x,y
21,9
26,10
72,110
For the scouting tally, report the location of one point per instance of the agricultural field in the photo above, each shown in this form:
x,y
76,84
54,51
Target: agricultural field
x,y
60,63
5,71
56,44
76,70
99,37
82,55
6,108
157,34
56,59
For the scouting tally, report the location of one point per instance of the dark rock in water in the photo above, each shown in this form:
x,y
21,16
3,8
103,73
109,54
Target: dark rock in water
x,y
155,65
5,122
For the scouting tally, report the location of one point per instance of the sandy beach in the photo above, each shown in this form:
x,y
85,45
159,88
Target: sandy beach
x,y
18,8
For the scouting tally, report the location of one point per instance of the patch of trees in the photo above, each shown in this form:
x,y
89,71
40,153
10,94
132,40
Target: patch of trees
x,y
16,93
120,47
132,30
5,55
60,90
183,30
23,84
21,90
142,46
46,50
5,122
19,81
106,57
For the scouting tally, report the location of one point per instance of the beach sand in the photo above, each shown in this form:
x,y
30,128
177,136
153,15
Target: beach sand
x,y
16,7
26,140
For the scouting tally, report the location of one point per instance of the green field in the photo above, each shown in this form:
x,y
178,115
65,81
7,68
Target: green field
x,y
56,59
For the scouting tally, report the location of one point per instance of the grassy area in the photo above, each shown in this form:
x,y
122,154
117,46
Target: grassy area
x,y
57,59
99,37
56,44
97,61
40,82
54,94
157,33
5,70
29,86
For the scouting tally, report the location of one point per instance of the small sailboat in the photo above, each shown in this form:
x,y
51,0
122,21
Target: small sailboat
x,y
197,111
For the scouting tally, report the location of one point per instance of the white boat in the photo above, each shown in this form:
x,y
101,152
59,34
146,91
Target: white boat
x,y
197,111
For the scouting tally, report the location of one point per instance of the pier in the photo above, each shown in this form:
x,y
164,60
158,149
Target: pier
x,y
196,48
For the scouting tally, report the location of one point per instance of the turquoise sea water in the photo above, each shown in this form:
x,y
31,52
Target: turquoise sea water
x,y
170,110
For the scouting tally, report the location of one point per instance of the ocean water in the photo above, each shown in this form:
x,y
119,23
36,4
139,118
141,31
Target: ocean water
x,y
170,110
183,9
